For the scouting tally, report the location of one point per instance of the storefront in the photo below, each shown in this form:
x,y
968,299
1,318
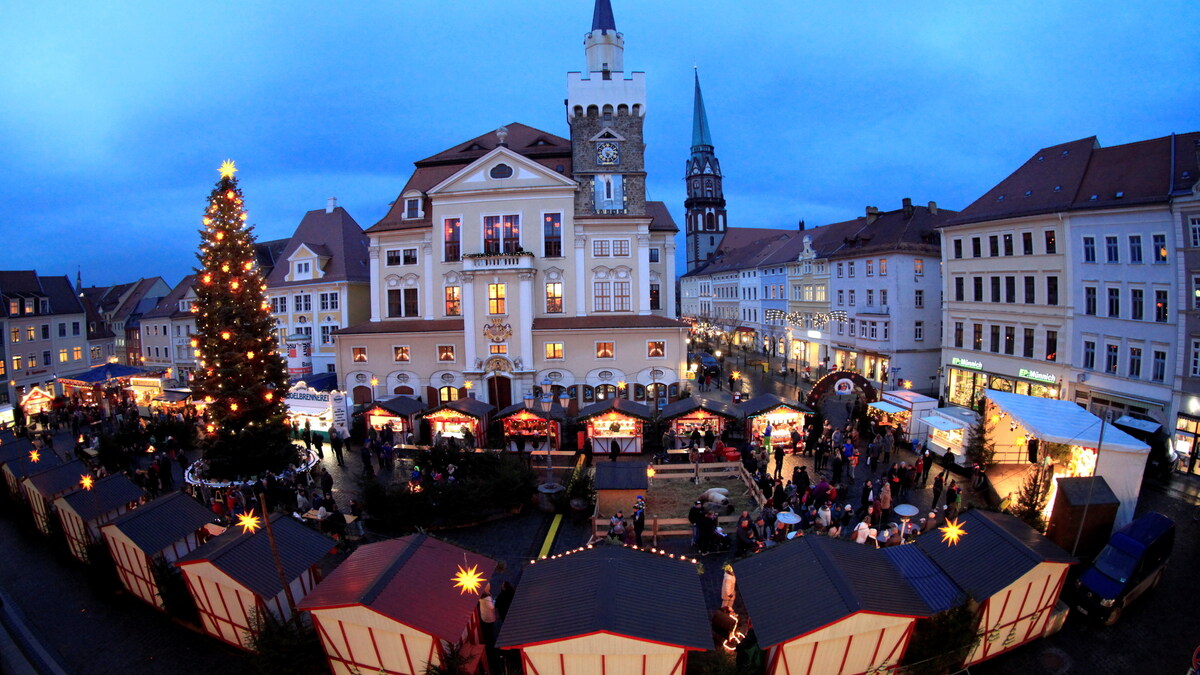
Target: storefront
x,y
966,380
781,415
454,419
615,420
400,412
945,430
1186,443
698,414
526,428
318,410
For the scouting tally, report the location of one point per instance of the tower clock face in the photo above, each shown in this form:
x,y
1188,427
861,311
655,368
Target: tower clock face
x,y
608,153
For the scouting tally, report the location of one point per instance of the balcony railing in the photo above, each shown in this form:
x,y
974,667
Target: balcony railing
x,y
498,261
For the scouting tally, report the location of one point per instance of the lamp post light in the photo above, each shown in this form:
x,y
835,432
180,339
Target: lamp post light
x,y
546,402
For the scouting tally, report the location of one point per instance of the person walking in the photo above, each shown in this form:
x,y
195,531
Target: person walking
x,y
779,452
335,442
939,484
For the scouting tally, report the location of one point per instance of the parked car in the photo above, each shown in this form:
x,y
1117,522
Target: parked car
x,y
1132,563
709,365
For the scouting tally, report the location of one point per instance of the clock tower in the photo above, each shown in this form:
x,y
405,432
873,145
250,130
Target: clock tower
x,y
605,110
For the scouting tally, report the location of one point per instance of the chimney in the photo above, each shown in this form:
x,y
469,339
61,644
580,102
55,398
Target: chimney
x,y
933,208
330,204
908,207
872,214
801,224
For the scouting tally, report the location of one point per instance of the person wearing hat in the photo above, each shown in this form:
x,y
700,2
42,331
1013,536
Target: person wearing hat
x,y
639,519
728,588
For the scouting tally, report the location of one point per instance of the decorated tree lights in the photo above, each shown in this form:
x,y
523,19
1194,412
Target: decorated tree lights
x,y
239,374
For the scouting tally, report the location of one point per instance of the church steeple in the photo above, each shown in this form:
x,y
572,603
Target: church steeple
x,y
705,201
604,46
602,16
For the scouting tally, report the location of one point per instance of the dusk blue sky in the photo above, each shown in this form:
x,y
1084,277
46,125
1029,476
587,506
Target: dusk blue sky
x,y
117,115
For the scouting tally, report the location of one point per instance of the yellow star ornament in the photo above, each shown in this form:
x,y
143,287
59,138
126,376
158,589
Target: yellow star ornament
x,y
248,522
952,531
228,169
468,580
87,482
34,456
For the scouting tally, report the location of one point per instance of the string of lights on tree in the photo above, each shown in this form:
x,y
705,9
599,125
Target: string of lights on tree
x,y
240,376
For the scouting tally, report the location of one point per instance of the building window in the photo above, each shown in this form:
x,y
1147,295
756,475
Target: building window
x,y
882,267
1194,369
63,356
1158,372
976,247
605,350
1135,249
392,258
995,289
601,296
1051,243
15,335
1051,345
883,299
1052,290
1027,243
1195,292
1159,242
995,339
1194,231
1114,303
656,349
841,297
412,208
358,354
403,302
977,338
77,353
957,249
655,296
552,235
327,333
1089,355
621,298
453,300
1027,345
918,330
1160,306
1110,359
1135,362
497,296
850,269
874,333
977,283
993,246
1029,292
501,234
452,245
62,330
918,298
838,269
303,303
401,354
498,349
31,331
447,394
1111,252
1010,339
620,248
1089,301
851,297
303,268
17,362
554,350
1137,304
601,248
870,297
1008,244
554,300
1089,249
445,353
329,301
278,306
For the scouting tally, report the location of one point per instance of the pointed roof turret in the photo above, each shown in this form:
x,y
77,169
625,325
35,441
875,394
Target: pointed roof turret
x,y
602,17
700,133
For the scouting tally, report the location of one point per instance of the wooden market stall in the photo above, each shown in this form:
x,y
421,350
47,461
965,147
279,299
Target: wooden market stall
x,y
234,574
393,608
781,414
83,512
618,485
525,427
43,487
20,460
897,409
453,419
697,413
854,613
616,420
628,612
1013,572
164,529
89,385
37,401
400,412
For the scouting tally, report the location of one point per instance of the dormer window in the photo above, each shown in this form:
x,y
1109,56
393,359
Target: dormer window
x,y
45,305
412,207
304,268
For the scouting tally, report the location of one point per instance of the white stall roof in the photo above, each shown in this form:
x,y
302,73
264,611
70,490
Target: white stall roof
x,y
1063,422
939,422
912,397
1141,425
884,406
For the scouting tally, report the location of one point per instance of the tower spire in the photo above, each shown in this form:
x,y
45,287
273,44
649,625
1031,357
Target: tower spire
x,y
602,16
701,137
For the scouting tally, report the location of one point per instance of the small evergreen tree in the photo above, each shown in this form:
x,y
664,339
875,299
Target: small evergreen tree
x,y
240,375
1031,498
977,447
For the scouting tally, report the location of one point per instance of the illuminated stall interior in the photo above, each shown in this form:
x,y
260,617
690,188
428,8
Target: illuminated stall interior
x,y
698,414
615,419
36,401
398,411
453,418
782,415
89,385
525,427
945,429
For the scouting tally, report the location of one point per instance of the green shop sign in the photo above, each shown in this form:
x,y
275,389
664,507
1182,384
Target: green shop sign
x,y
1035,375
966,363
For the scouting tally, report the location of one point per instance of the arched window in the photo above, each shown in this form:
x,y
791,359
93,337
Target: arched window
x,y
448,394
403,390
639,392
589,394
605,392
362,394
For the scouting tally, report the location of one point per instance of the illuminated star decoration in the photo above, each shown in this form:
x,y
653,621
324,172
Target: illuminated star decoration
x,y
951,532
468,580
87,482
248,522
34,456
228,169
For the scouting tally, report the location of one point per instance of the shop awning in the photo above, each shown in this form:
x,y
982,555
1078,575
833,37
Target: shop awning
x,y
1141,425
885,407
941,423
173,396
104,373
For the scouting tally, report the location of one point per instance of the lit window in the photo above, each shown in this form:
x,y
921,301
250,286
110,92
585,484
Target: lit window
x,y
554,300
31,332
552,235
656,349
445,352
63,356
358,354
605,350
17,362
400,353
501,234
77,354
453,301
497,294
497,349
554,350
1159,241
918,267
453,240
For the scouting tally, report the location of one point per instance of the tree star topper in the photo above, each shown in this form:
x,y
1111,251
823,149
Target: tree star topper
x,y
228,169
248,522
468,580
952,532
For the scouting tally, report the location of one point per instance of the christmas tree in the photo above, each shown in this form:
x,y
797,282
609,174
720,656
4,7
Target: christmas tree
x,y
240,374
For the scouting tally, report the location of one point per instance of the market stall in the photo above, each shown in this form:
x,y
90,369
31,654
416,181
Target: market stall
x,y
854,614
89,385
233,574
399,411
453,419
780,414
164,529
43,487
525,427
83,512
1013,574
945,429
318,410
1068,438
696,413
143,391
19,461
172,401
37,401
615,420
911,406
393,607
630,611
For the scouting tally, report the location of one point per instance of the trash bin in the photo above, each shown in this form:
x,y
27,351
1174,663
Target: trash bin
x,y
547,496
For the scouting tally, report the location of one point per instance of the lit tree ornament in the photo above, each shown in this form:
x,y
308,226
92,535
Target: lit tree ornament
x,y
249,522
468,580
952,531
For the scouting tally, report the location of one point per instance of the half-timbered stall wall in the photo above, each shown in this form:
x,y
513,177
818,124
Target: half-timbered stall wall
x,y
83,512
42,488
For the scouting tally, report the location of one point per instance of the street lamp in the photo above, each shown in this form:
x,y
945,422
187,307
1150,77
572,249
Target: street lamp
x,y
546,402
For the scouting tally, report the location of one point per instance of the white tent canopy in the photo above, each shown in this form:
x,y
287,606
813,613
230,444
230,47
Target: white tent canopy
x,y
1121,460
